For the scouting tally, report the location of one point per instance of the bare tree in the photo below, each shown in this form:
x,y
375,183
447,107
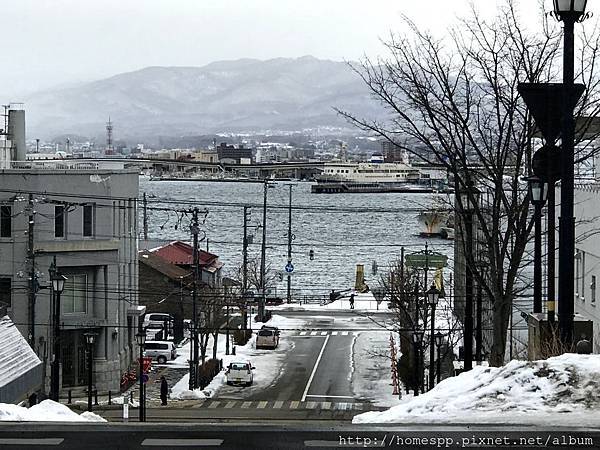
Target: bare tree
x,y
454,102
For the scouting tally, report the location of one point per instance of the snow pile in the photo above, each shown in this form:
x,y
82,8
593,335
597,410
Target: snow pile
x,y
46,411
268,363
520,391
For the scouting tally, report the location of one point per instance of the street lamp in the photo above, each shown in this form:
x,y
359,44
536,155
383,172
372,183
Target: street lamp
x,y
140,337
433,296
58,284
438,342
569,12
469,198
89,339
417,338
538,190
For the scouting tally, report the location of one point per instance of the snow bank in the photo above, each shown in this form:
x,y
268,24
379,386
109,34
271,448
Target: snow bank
x,y
520,391
46,411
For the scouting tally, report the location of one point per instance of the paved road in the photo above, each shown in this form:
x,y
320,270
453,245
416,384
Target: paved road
x,y
66,436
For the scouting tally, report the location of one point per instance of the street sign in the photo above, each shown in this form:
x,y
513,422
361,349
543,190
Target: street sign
x,y
431,260
289,267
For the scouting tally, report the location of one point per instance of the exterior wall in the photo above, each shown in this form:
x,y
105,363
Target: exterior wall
x,y
108,259
587,258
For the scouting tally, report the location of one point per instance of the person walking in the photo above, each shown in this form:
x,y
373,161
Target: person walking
x,y
351,301
164,390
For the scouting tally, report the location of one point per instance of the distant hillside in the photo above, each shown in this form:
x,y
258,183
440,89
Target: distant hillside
x,y
242,95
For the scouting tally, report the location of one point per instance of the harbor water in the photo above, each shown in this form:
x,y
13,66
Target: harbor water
x,y
342,230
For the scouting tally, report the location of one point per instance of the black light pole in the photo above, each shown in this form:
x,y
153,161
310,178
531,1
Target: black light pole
x,y
483,267
89,339
550,262
537,192
417,337
141,340
569,12
58,284
438,341
263,256
433,296
469,197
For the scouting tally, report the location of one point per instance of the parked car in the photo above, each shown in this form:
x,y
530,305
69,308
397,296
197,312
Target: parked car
x,y
155,332
240,373
162,351
160,319
267,337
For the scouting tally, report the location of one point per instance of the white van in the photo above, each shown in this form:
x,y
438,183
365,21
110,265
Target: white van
x,y
267,337
240,373
161,351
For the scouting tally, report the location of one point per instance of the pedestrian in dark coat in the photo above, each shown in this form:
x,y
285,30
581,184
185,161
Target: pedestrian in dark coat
x,y
351,301
164,390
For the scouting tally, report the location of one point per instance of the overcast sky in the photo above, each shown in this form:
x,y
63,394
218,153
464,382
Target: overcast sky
x,y
50,42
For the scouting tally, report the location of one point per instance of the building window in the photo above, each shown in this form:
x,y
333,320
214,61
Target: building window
x,y
74,296
593,289
5,221
88,220
5,293
59,221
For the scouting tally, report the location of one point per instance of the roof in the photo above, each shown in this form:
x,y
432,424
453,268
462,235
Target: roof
x,y
16,356
163,266
182,253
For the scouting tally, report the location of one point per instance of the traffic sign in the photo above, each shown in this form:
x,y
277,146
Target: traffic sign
x,y
431,260
289,267
145,378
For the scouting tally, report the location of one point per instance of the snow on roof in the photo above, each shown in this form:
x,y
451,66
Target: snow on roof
x,y
16,356
519,391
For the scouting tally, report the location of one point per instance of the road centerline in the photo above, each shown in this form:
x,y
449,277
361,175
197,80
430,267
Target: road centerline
x,y
312,375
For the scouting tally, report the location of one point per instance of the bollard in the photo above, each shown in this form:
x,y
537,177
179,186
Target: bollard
x,y
109,397
69,397
125,408
96,397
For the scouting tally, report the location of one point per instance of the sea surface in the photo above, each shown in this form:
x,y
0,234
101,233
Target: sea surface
x,y
342,230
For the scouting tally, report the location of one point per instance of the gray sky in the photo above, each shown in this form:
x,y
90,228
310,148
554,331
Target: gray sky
x,y
50,42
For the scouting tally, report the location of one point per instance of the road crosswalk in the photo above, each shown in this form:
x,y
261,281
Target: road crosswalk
x,y
328,333
280,404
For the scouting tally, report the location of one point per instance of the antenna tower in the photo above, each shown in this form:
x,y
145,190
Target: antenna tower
x,y
110,150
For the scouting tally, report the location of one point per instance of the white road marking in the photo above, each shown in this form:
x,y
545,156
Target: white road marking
x,y
303,333
246,405
262,405
31,441
312,375
343,406
344,333
311,405
334,333
324,333
182,442
325,405
294,404
330,396
214,404
230,404
278,404
313,333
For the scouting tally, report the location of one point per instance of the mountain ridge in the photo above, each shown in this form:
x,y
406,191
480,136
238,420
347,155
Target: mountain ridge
x,y
223,96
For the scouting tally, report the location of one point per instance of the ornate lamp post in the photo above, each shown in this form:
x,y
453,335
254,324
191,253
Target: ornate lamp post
x,y
433,296
417,338
438,342
469,199
89,340
58,285
538,190
569,12
141,340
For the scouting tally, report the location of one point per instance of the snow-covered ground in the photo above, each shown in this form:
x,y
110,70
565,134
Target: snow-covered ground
x,y
561,390
46,411
268,363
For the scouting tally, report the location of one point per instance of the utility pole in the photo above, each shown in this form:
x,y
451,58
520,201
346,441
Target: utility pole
x,y
263,255
32,275
290,237
194,363
145,217
245,266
